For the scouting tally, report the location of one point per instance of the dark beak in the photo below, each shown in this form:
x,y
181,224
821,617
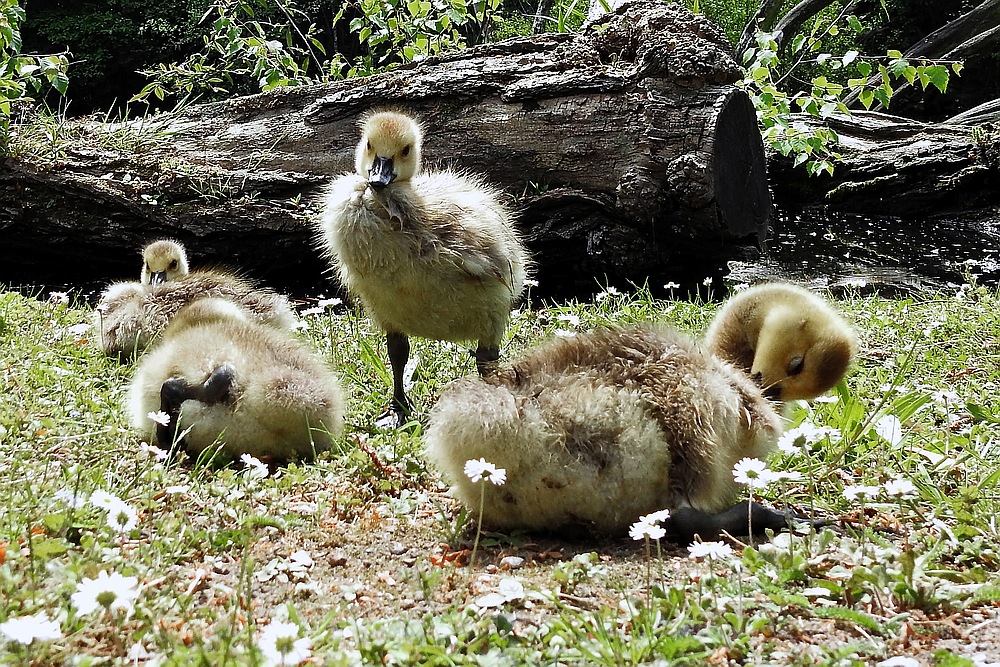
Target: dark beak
x,y
158,278
381,173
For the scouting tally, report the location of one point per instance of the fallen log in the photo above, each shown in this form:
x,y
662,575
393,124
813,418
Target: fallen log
x,y
627,147
896,166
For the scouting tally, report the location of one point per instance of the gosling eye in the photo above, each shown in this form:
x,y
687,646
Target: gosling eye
x,y
173,265
369,145
795,365
406,150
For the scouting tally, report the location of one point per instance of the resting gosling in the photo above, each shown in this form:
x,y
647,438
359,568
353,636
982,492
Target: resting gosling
x,y
130,315
599,429
222,378
788,339
430,254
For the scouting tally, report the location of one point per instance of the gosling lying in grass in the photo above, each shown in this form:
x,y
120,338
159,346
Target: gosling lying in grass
x,y
222,379
131,314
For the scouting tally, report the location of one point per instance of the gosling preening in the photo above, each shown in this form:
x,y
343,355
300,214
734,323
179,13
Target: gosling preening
x,y
222,378
787,338
431,254
603,427
130,315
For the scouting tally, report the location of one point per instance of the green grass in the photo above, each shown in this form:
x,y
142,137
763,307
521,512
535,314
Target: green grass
x,y
218,553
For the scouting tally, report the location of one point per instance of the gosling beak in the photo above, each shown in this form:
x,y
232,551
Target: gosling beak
x,y
381,173
158,278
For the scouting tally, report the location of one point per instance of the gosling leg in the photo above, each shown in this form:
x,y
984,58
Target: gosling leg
x,y
739,520
399,352
487,359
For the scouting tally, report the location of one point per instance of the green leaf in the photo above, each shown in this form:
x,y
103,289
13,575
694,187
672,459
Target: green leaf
x,y
864,68
48,547
981,414
849,57
939,77
859,618
957,68
854,23
867,97
893,54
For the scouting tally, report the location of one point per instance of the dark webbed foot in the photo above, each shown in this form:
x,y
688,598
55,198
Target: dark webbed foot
x,y
487,360
217,388
395,416
173,393
739,520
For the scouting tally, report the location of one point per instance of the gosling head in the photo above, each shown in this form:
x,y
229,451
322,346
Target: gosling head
x,y
389,150
801,352
163,261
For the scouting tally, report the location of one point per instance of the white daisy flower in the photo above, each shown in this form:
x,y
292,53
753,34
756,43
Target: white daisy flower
x,y
101,499
656,517
26,629
642,530
710,550
672,286
752,472
852,491
476,470
74,500
795,440
152,451
160,417
109,591
122,517
530,283
254,466
327,303
889,429
899,488
312,311
281,645
569,318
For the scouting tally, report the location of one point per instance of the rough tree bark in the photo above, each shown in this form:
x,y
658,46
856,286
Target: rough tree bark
x,y
896,166
628,149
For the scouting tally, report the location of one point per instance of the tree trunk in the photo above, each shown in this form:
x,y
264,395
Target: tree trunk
x,y
897,166
627,147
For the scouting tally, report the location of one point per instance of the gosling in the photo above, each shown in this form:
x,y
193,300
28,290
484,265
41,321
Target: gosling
x,y
220,378
130,315
788,339
429,254
599,429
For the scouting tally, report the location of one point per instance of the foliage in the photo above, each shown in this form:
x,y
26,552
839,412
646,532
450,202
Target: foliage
x,y
111,40
247,47
21,73
769,82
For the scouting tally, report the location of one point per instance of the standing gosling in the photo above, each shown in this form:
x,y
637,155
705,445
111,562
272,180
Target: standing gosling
x,y
222,378
601,428
788,339
430,254
130,315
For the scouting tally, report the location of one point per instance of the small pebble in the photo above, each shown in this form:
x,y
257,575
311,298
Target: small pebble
x,y
398,548
338,559
511,562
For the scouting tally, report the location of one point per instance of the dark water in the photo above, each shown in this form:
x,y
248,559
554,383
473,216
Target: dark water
x,y
883,254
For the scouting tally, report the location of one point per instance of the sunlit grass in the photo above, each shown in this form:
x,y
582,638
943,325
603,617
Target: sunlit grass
x,y
358,549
